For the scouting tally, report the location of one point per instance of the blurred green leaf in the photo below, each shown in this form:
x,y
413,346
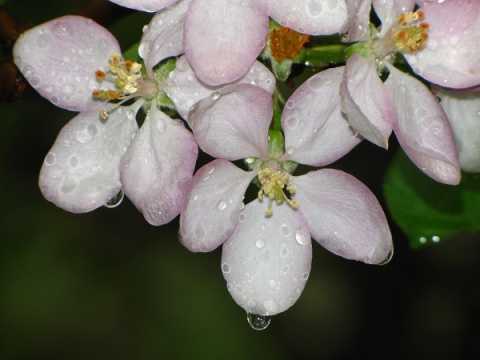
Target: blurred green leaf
x,y
426,210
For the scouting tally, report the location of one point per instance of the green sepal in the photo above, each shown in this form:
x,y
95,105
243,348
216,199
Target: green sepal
x,y
363,49
164,101
162,70
428,211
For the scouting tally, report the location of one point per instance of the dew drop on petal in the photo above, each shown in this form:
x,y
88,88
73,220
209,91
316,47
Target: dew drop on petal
x,y
225,268
301,237
258,322
387,259
116,200
221,205
50,159
285,230
260,243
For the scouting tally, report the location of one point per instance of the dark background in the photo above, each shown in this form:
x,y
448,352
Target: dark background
x,y
106,285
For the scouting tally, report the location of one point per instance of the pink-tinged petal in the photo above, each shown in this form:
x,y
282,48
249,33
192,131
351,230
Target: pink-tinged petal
x,y
158,166
163,36
82,170
389,11
344,216
463,113
451,56
422,128
358,24
320,17
233,122
366,101
184,88
212,207
266,261
223,39
316,132
144,5
59,59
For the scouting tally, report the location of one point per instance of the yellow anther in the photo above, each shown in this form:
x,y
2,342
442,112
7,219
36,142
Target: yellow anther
x,y
411,34
273,183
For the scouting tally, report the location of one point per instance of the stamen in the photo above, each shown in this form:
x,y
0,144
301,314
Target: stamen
x,y
125,75
286,43
411,34
274,182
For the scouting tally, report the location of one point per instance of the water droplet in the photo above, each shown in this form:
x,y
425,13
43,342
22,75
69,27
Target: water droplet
x,y
258,322
73,161
242,217
285,230
290,104
388,258
225,268
301,238
215,96
435,238
34,81
145,29
260,243
222,205
292,122
50,159
63,28
116,200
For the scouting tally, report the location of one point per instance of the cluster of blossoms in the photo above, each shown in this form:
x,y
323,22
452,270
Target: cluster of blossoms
x,y
200,63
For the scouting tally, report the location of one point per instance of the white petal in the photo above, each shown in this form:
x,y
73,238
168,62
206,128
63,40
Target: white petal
x,y
422,128
185,89
163,36
266,262
233,122
463,111
388,12
59,59
82,170
318,17
224,38
366,100
316,132
144,5
343,215
158,166
450,57
213,205
358,24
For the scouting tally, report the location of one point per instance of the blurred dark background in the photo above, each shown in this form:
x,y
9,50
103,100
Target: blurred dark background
x,y
106,285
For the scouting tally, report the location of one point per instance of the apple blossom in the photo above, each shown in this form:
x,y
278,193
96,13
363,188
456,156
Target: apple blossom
x,y
402,103
266,244
223,38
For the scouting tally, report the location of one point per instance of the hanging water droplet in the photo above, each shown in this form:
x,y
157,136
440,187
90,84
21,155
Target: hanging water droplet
x,y
387,259
258,322
114,201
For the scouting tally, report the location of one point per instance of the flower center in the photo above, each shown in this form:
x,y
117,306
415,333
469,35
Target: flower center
x,y
408,35
127,77
286,43
274,182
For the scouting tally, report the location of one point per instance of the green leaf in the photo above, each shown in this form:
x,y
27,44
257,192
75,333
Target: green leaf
x,y
426,210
